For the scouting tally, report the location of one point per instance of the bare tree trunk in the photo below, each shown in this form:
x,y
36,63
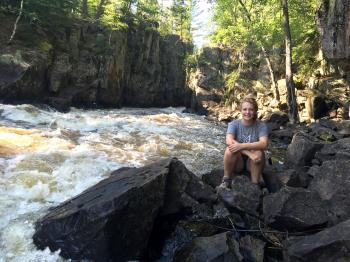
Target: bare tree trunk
x,y
346,107
100,10
84,9
16,22
292,102
276,92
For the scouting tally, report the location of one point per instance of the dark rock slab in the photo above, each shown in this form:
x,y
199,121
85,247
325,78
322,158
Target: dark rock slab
x,y
201,249
299,178
316,106
331,182
277,117
331,244
113,220
252,249
214,177
200,191
282,134
272,178
339,149
323,133
302,150
244,196
294,209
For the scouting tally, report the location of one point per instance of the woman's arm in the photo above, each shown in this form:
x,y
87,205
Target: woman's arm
x,y
230,139
260,145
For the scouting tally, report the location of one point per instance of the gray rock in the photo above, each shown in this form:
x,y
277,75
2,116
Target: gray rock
x,y
272,178
302,150
201,249
243,196
277,117
200,191
214,177
299,178
331,244
323,133
252,249
335,150
113,220
294,209
331,182
282,134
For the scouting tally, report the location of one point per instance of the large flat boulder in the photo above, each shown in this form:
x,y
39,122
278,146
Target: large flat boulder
x,y
213,248
331,182
339,149
331,244
113,220
302,150
244,196
295,209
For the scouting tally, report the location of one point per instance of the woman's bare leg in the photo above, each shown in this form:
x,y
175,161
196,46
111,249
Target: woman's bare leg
x,y
233,162
256,167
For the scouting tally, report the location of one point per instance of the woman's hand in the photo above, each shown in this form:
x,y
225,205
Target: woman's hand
x,y
235,147
256,158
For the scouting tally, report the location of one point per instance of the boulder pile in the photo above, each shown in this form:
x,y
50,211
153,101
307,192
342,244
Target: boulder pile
x,y
164,212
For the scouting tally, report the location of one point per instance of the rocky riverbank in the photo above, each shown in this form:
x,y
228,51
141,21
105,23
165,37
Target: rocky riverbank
x,y
163,212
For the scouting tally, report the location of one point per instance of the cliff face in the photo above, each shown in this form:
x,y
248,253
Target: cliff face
x,y
333,23
87,65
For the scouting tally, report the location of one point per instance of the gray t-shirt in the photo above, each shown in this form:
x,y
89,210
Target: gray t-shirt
x,y
247,134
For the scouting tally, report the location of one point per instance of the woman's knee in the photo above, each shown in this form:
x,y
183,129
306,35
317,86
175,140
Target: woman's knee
x,y
229,154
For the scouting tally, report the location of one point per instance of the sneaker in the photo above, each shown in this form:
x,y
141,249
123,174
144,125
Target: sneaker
x,y
226,183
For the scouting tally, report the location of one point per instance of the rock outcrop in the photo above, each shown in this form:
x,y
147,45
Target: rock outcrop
x,y
333,22
332,244
88,66
113,220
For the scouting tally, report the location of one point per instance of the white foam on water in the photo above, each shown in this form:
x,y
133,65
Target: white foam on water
x,y
80,148
26,113
17,248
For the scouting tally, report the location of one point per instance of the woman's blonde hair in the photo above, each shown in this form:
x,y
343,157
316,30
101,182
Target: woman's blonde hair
x,y
252,101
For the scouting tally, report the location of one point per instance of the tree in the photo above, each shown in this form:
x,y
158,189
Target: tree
x,y
181,18
291,98
16,22
243,22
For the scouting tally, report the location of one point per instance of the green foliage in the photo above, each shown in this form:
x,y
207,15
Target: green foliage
x,y
56,15
191,62
50,13
242,22
45,46
102,46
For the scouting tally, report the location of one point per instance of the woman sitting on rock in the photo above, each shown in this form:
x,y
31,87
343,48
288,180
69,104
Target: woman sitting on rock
x,y
246,140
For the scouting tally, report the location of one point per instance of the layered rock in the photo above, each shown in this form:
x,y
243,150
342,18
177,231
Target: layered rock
x,y
88,66
333,22
332,244
113,220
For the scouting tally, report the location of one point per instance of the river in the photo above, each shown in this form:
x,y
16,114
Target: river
x,y
47,157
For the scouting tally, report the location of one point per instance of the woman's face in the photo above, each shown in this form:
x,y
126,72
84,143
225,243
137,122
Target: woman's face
x,y
248,111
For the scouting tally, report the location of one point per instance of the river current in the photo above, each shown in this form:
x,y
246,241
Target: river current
x,y
47,157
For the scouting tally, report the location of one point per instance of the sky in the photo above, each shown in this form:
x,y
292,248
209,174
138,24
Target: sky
x,y
201,23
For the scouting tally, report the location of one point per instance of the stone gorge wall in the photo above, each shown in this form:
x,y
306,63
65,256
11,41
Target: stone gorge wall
x,y
333,23
89,66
